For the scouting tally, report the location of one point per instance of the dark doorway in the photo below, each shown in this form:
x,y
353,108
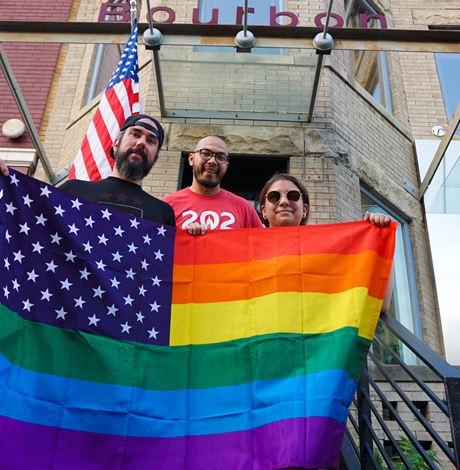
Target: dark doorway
x,y
245,176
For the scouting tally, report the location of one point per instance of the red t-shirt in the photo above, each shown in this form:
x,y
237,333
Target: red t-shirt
x,y
224,210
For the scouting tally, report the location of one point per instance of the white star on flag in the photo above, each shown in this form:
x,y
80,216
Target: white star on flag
x,y
61,313
40,219
76,204
93,320
59,211
37,247
27,200
152,333
32,276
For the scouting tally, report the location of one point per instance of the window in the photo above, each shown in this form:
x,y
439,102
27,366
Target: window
x,y
105,62
448,66
370,68
404,304
231,12
106,59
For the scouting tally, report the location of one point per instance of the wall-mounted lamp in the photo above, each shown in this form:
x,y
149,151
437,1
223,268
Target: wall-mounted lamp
x,y
438,131
13,128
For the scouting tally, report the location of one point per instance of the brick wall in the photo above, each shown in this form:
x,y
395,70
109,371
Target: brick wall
x,y
33,65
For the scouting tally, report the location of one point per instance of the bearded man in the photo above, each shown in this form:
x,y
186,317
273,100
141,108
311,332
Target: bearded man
x,y
135,150
205,205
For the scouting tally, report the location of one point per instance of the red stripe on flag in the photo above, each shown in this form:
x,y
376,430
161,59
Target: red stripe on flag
x,y
88,160
115,105
72,172
103,135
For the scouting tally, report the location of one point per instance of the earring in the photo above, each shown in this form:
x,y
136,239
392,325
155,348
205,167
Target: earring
x,y
265,217
304,215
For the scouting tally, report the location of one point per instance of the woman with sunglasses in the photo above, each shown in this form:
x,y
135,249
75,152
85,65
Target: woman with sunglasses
x,y
284,201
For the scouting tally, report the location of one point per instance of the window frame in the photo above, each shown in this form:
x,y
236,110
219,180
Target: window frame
x,y
408,256
383,72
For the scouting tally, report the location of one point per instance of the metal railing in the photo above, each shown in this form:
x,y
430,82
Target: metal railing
x,y
367,451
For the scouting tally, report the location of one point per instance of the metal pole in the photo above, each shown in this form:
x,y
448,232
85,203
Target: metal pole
x,y
315,88
159,82
14,87
452,386
150,17
245,25
328,17
364,417
445,141
156,65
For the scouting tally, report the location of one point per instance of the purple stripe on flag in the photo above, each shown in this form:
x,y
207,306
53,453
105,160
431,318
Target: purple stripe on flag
x,y
302,442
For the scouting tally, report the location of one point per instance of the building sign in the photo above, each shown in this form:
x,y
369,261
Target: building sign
x,y
119,12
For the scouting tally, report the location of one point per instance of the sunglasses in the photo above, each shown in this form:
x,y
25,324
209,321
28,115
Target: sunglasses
x,y
275,196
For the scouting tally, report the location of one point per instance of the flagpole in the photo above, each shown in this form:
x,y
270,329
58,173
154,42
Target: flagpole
x,y
133,12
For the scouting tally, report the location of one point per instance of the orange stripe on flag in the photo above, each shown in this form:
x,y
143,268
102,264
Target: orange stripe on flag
x,y
323,273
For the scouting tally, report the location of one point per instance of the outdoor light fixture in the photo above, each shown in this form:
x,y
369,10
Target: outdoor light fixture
x,y
152,38
13,128
438,131
245,40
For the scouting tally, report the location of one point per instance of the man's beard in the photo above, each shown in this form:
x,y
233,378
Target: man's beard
x,y
207,183
133,169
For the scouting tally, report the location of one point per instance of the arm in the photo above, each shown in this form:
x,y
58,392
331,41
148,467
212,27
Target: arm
x,y
4,168
383,220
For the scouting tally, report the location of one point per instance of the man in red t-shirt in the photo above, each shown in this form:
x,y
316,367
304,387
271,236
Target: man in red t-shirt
x,y
205,205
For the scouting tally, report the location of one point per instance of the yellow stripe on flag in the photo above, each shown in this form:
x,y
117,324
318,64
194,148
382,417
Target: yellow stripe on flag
x,y
282,312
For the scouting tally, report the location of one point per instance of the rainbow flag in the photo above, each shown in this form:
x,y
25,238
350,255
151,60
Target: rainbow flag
x,y
266,338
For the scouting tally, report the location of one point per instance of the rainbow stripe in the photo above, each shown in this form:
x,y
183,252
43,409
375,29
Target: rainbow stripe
x,y
269,332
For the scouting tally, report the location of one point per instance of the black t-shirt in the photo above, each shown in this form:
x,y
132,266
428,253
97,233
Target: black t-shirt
x,y
124,196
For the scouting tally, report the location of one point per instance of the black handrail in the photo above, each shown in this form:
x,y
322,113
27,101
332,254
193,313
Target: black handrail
x,y
351,452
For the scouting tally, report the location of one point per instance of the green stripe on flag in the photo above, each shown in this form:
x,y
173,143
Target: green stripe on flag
x,y
83,356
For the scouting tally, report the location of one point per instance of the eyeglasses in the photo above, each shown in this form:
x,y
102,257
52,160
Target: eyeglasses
x,y
206,155
275,196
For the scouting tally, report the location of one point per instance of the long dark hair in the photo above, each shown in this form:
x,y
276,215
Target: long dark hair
x,y
292,179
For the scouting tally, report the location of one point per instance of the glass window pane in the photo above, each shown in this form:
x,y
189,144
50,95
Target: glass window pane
x,y
230,12
448,66
401,306
217,82
370,68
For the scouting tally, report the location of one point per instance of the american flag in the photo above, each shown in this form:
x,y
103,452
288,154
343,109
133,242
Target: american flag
x,y
74,264
121,100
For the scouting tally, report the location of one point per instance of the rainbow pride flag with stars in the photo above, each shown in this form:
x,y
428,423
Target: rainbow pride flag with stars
x,y
252,366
